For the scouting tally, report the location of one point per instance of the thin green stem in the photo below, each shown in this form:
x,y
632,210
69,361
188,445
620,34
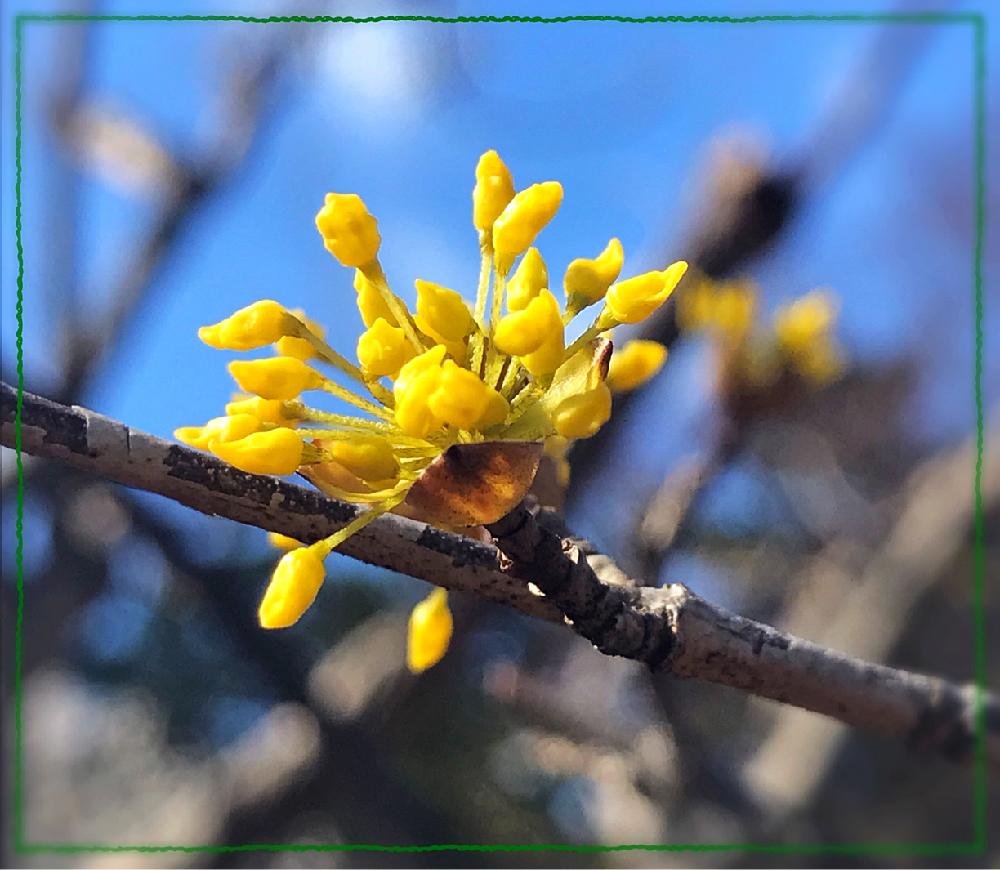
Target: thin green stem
x,y
374,273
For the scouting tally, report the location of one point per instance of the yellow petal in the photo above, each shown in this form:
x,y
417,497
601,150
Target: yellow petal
x,y
636,298
494,189
293,588
366,456
229,428
524,218
276,451
254,326
586,281
300,348
529,279
349,231
429,633
461,399
580,416
442,313
383,349
266,410
371,303
523,332
282,377
635,363
283,542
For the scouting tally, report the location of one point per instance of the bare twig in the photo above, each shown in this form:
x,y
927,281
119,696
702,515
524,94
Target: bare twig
x,y
670,627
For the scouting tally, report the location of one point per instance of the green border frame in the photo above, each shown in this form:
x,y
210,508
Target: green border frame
x,y
977,846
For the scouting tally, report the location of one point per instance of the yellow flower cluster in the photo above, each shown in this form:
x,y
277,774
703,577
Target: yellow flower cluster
x,y
446,376
799,341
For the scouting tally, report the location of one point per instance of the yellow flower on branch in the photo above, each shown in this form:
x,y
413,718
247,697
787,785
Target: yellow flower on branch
x,y
349,231
281,377
430,630
293,587
452,403
586,281
635,363
636,298
524,217
529,279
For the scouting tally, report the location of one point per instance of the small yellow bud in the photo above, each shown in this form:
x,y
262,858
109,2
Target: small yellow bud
x,y
523,219
429,633
586,281
556,448
803,321
494,189
366,456
300,348
529,279
283,542
580,416
349,231
415,383
293,588
383,349
734,308
635,364
282,377
266,410
636,298
462,400
371,303
442,313
229,428
275,451
262,323
522,332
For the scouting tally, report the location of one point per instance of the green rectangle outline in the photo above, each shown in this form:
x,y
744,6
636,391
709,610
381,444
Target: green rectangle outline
x,y
977,846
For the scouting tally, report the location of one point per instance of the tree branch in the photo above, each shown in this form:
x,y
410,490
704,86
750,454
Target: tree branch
x,y
669,628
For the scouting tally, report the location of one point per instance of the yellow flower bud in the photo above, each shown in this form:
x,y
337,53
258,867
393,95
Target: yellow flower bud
x,y
366,456
276,451
229,428
300,348
415,383
383,349
734,308
442,313
293,588
529,279
262,323
266,410
522,332
548,357
349,231
413,413
462,400
798,325
282,377
494,189
523,219
283,542
429,633
371,303
580,416
636,298
696,306
556,448
635,364
586,281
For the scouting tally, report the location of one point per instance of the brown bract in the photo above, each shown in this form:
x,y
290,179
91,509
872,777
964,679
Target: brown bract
x,y
474,484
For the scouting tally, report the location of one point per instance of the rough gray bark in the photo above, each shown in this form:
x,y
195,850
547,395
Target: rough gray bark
x,y
669,628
